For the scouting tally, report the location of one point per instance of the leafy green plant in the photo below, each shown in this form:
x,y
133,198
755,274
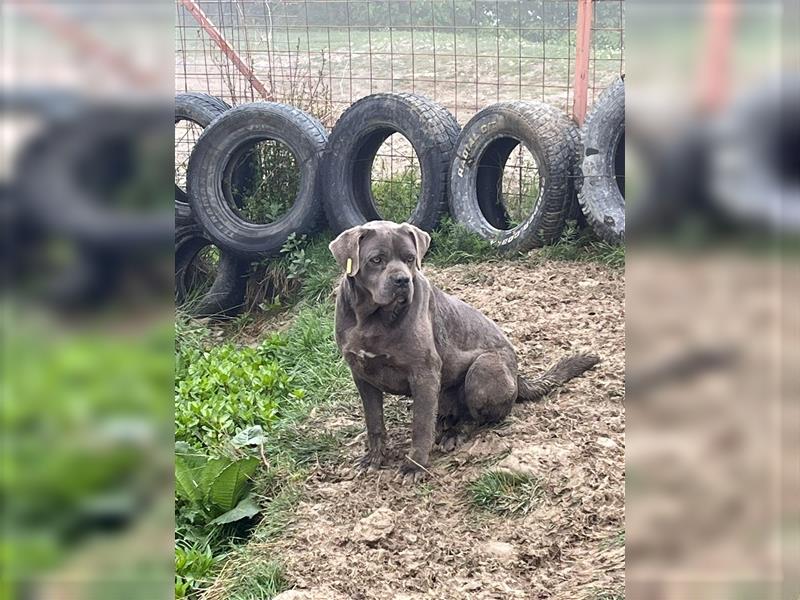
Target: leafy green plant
x,y
194,567
223,389
214,488
305,271
306,357
504,493
267,180
297,262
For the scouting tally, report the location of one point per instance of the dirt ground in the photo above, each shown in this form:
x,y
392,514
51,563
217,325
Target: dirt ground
x,y
367,536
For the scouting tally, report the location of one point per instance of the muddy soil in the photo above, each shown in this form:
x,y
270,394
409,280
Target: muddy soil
x,y
368,536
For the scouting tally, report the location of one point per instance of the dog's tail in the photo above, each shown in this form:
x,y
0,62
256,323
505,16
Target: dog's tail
x,y
558,374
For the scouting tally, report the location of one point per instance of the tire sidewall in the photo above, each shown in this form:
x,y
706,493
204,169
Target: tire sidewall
x,y
497,122
216,147
200,109
347,194
600,197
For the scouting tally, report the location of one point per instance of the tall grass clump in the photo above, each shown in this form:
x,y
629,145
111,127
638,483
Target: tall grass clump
x,y
577,244
452,244
504,493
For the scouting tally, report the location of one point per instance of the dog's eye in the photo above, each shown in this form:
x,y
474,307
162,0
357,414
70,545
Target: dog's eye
x,y
375,260
409,259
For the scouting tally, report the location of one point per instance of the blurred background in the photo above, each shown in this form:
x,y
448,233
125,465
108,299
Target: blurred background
x,y
713,175
86,206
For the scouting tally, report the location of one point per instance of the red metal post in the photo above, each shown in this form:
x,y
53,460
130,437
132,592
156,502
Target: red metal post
x,y
226,48
714,71
583,46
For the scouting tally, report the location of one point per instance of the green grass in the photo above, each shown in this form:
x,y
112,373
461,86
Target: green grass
x,y
397,197
503,493
260,580
278,512
509,42
453,244
305,272
582,245
195,564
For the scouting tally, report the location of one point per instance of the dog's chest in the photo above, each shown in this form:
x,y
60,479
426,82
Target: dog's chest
x,y
365,353
372,359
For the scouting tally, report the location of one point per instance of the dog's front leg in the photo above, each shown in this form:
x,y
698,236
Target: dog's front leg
x,y
372,399
425,392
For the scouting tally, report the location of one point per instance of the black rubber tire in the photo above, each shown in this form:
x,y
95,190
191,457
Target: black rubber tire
x,y
357,137
183,212
754,168
601,160
476,172
673,183
61,174
222,145
226,295
201,109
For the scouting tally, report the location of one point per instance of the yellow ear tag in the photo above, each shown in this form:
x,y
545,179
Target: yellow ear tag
x,y
349,266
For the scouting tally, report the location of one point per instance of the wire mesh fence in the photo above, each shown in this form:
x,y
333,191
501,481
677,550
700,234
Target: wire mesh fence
x,y
322,55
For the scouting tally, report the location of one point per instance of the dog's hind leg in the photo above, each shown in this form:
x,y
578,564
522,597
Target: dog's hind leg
x,y
490,387
452,417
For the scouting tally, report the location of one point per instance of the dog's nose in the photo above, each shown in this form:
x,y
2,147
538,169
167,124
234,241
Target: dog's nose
x,y
400,279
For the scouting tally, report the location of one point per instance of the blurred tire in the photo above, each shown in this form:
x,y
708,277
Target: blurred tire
x,y
77,176
356,139
225,297
755,158
200,109
601,180
223,144
674,186
476,173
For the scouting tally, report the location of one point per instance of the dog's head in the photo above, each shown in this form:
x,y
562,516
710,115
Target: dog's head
x,y
383,258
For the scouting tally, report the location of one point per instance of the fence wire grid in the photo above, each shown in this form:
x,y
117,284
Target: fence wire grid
x,y
322,55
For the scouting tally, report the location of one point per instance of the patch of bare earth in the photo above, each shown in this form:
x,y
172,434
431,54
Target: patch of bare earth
x,y
368,536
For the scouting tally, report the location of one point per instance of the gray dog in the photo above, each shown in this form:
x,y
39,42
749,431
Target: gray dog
x,y
402,335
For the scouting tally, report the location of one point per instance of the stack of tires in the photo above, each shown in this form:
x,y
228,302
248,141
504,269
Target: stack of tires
x,y
206,212
461,173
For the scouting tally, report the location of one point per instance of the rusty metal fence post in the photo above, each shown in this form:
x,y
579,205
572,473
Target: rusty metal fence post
x,y
583,46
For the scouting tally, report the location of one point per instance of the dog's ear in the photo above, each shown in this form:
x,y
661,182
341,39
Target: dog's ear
x,y
421,240
345,250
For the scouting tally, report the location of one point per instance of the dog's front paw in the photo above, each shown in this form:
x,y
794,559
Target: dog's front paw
x,y
372,460
411,473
